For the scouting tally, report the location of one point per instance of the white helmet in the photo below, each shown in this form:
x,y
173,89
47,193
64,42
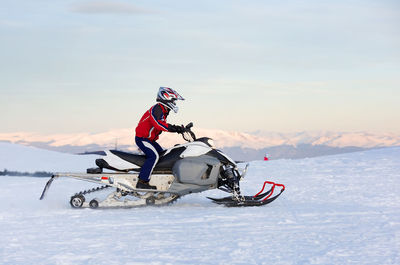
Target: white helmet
x,y
167,96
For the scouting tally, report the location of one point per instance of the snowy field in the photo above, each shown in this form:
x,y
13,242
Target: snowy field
x,y
342,209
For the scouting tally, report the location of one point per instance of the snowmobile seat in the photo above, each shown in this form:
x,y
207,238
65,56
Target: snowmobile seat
x,y
164,164
135,159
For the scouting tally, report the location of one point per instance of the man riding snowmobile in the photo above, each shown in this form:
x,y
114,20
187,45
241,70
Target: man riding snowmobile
x,y
150,126
191,167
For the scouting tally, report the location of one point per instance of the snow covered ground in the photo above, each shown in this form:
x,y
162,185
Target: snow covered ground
x,y
342,209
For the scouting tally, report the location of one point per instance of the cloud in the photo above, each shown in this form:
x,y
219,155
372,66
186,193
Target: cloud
x,y
108,7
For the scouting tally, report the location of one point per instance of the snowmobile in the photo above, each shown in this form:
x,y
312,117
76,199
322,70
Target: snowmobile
x,y
192,167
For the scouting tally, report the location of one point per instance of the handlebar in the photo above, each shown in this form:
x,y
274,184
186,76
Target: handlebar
x,y
190,125
188,130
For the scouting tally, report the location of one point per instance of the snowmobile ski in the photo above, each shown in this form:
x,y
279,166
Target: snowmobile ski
x,y
261,198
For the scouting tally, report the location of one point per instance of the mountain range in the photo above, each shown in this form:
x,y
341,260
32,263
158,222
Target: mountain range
x,y
240,145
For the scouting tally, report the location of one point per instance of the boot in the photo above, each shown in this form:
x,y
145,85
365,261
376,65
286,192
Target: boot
x,y
142,184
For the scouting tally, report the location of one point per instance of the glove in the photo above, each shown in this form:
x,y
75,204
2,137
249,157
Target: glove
x,y
175,128
180,129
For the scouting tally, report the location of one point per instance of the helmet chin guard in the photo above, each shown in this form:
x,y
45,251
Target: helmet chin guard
x,y
168,97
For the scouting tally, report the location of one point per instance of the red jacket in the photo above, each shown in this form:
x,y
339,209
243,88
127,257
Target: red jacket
x,y
153,122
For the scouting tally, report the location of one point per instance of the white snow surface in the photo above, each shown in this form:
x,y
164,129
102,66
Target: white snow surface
x,y
342,209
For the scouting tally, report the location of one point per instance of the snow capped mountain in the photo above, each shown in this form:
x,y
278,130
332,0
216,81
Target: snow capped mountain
x,y
254,140
332,139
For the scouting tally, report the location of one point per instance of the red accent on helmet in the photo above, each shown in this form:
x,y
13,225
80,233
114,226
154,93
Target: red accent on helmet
x,y
166,96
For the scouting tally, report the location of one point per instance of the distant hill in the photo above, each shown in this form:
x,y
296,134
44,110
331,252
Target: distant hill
x,y
287,151
16,157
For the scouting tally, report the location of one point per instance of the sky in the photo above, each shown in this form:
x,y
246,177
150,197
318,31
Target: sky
x,y
282,66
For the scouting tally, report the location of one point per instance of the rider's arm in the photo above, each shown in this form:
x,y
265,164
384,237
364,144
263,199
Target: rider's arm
x,y
156,116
